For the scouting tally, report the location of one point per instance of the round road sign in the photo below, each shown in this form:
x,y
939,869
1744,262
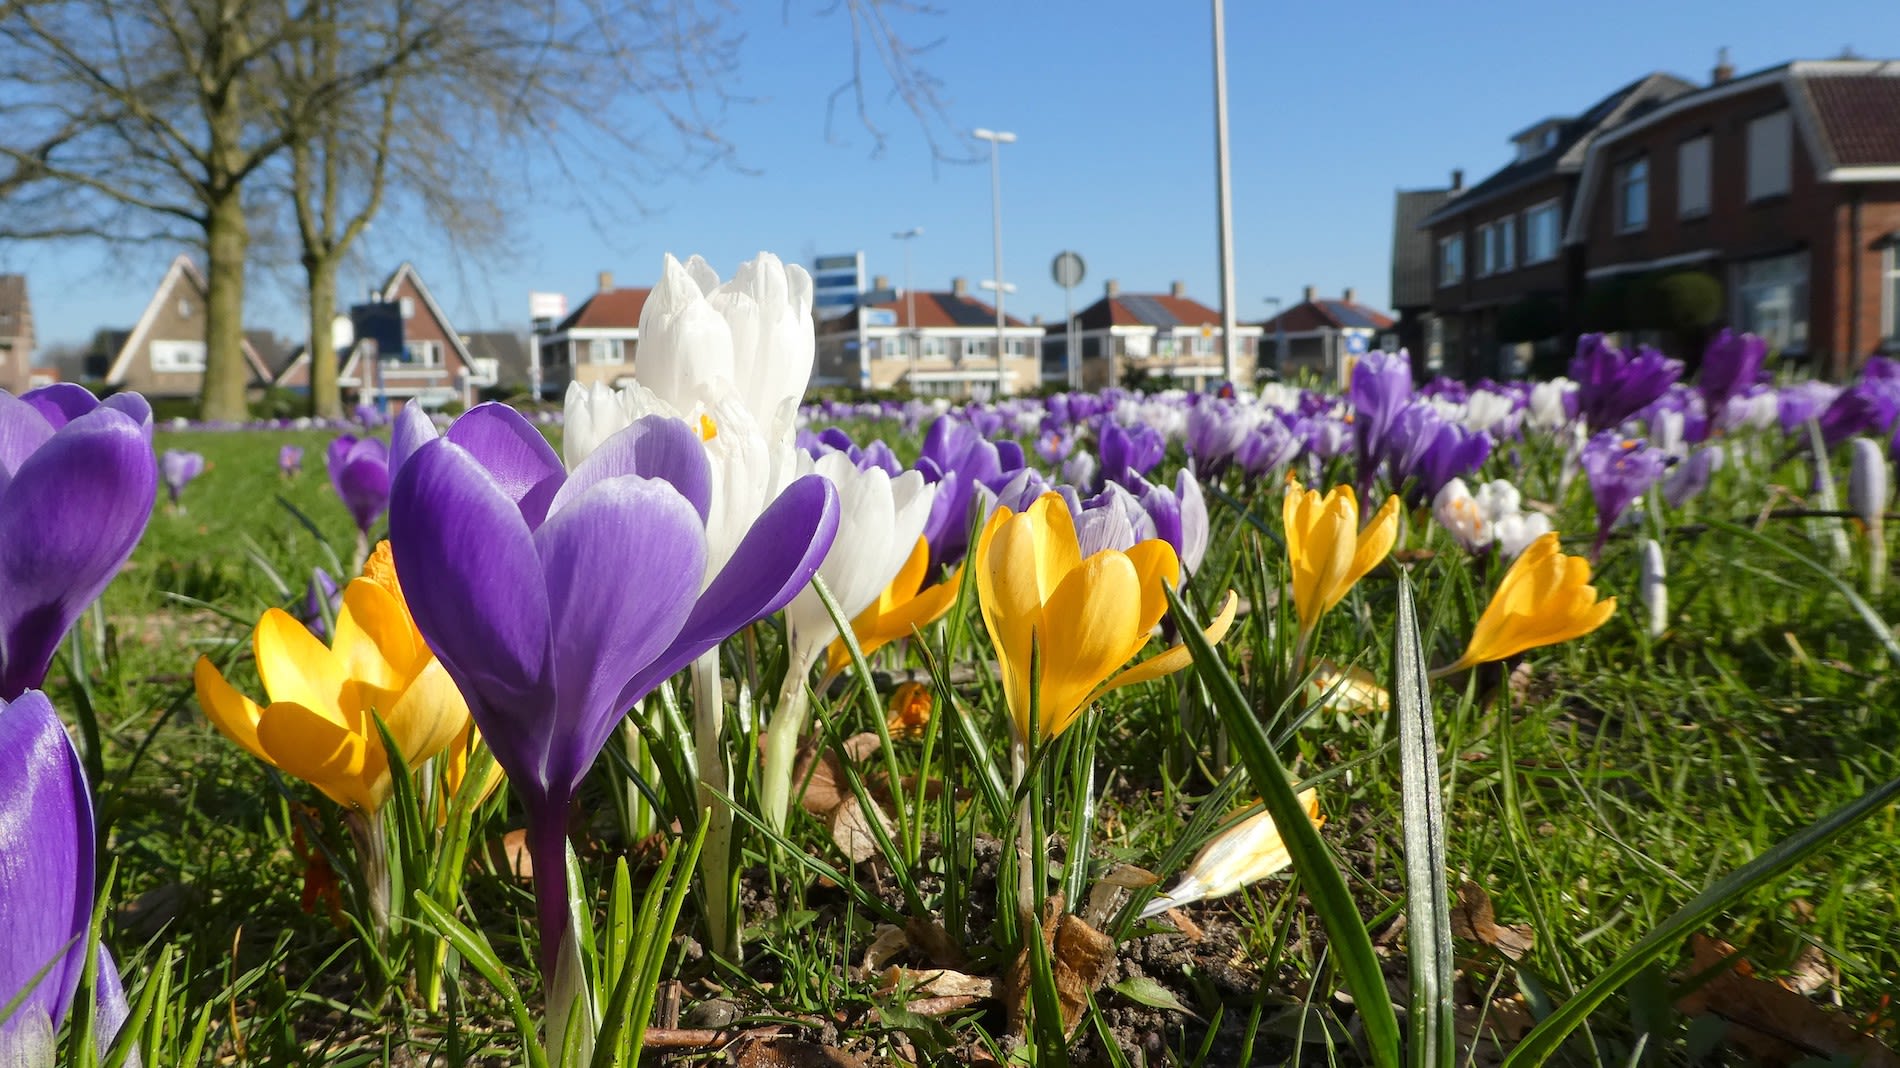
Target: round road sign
x,y
1068,269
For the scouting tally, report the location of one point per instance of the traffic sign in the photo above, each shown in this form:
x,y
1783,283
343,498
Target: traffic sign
x,y
1068,269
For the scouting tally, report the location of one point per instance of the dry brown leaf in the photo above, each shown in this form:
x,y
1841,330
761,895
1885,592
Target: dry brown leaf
x,y
936,983
935,943
781,1052
851,829
890,940
1081,957
514,856
1768,1020
827,787
1183,924
1473,921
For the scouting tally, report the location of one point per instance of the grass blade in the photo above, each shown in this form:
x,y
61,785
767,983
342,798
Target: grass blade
x,y
1428,918
1350,945
1881,631
1543,1040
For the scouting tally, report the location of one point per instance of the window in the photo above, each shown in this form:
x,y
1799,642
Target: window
x,y
1203,344
1692,177
1016,346
934,348
178,356
975,348
1772,300
1770,155
1632,195
184,307
1451,260
1541,226
606,350
1890,296
1507,243
422,353
1487,250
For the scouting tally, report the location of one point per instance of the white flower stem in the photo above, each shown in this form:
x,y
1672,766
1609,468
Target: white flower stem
x,y
372,862
781,738
715,858
568,1002
1876,556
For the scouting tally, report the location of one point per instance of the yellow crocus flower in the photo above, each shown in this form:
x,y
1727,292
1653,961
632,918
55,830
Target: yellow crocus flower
x,y
1087,617
318,725
905,604
1327,549
1545,598
1243,854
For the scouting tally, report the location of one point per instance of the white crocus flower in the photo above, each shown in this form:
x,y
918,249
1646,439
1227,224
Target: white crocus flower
x,y
1485,409
1460,513
1869,489
880,519
1547,403
1239,856
1516,533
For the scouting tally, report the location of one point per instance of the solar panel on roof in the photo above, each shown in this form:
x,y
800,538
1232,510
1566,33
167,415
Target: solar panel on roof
x,y
1350,315
967,312
1150,311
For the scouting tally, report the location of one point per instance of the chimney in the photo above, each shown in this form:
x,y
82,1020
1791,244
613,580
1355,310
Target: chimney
x,y
1036,319
1112,288
960,286
1457,179
606,281
1177,289
1348,296
1724,70
880,281
1308,294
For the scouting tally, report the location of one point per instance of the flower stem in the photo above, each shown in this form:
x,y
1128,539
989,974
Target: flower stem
x,y
781,740
715,859
372,861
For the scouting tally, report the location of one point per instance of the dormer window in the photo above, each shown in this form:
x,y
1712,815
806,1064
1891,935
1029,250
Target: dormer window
x,y
1537,142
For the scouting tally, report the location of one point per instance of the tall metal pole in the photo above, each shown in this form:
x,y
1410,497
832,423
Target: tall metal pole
x,y
1068,345
910,295
1229,362
995,138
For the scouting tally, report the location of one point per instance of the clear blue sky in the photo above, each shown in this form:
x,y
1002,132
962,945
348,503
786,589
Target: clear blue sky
x,y
1332,108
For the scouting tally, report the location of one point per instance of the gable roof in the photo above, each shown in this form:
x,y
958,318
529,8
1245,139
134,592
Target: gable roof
x,y
181,272
1412,245
1159,310
15,312
1574,139
1328,313
609,309
393,288
935,311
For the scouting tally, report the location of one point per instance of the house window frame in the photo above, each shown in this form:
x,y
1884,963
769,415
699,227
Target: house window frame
x,y
1451,260
1487,251
1751,296
407,305
1683,208
1507,243
1016,347
173,364
975,348
1631,175
1556,230
1890,295
422,352
1785,164
1201,344
606,351
932,347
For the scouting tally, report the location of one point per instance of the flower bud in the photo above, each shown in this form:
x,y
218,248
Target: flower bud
x,y
1654,588
1868,486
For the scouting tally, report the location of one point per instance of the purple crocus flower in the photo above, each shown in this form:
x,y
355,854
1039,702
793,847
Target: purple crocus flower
x,y
1267,448
955,448
555,600
1612,386
75,495
1179,517
359,472
1112,519
1731,364
1127,452
1870,406
1803,401
179,468
290,460
1054,444
1215,432
47,848
1424,451
1381,388
879,455
321,600
1620,470
1687,480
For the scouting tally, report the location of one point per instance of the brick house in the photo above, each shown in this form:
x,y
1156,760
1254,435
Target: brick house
x,y
1164,335
596,342
406,349
1501,273
16,335
1320,336
164,354
948,350
1783,186
1412,254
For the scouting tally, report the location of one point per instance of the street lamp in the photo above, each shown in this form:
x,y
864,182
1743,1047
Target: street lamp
x,y
995,138
910,295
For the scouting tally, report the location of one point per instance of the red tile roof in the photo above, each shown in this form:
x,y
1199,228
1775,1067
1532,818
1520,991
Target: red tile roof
x,y
1146,309
938,310
611,309
1860,117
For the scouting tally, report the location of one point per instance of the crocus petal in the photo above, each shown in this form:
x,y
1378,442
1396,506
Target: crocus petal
x,y
651,447
516,456
1156,566
454,532
68,520
62,402
428,716
777,558
1175,658
46,859
234,714
646,536
375,641
1005,562
297,668
324,753
23,429
412,430
1088,629
1374,544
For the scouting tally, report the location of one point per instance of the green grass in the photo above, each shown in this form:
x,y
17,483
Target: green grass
x,y
1642,771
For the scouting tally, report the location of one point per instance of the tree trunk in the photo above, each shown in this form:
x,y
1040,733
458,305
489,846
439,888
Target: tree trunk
x,y
326,402
227,373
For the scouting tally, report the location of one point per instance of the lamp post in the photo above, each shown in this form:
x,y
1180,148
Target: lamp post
x,y
910,295
995,138
1223,194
